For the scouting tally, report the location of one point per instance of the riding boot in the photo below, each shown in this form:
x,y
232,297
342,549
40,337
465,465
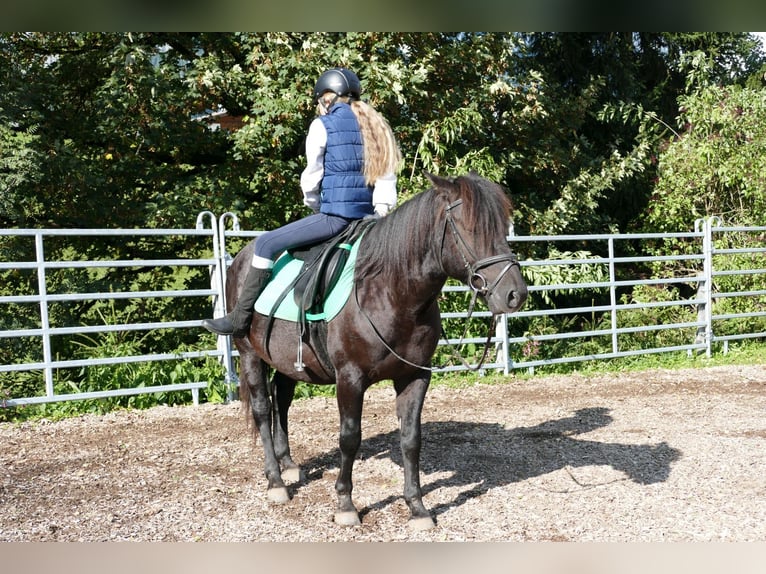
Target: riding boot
x,y
237,322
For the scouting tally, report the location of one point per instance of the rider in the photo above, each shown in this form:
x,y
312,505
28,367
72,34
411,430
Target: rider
x,y
352,159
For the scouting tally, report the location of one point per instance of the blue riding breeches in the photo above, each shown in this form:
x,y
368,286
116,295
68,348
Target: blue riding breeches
x,y
311,229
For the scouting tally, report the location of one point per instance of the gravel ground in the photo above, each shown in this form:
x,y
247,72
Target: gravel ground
x,y
659,455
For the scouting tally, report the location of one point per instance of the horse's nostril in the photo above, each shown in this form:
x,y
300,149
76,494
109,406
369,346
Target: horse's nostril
x,y
515,299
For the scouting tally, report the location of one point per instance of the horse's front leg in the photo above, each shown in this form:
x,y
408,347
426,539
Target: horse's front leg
x,y
350,397
410,394
253,374
283,391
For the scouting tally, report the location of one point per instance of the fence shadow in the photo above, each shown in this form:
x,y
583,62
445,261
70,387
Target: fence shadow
x,y
464,452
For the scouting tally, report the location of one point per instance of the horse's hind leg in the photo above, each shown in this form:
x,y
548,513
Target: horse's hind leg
x,y
410,395
283,390
253,373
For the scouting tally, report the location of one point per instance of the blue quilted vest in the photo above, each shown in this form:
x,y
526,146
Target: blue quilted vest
x,y
344,191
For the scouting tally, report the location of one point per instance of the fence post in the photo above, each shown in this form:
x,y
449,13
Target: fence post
x,y
44,319
613,296
224,343
705,285
501,328
711,221
501,332
217,283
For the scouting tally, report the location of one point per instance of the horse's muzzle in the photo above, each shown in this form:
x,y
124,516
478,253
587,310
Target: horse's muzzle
x,y
510,276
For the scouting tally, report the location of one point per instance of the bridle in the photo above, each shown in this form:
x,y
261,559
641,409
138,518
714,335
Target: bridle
x,y
476,281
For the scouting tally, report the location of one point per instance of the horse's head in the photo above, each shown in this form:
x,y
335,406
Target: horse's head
x,y
474,248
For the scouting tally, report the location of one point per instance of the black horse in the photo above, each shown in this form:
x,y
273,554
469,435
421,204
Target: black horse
x,y
388,328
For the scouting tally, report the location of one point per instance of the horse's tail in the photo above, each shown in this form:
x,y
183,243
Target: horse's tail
x,y
235,275
244,400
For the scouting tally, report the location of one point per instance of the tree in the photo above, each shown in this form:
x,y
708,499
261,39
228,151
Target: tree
x,y
100,124
716,163
102,129
621,90
104,122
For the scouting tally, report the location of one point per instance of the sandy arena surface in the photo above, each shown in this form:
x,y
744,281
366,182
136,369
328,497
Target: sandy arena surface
x,y
659,455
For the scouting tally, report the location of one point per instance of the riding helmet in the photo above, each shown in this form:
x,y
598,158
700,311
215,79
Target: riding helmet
x,y
340,81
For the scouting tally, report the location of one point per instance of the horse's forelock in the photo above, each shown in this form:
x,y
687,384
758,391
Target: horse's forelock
x,y
487,207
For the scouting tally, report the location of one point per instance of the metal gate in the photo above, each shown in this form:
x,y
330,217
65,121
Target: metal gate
x,y
704,309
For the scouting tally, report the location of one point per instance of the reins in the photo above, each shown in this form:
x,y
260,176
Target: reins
x,y
482,288
454,351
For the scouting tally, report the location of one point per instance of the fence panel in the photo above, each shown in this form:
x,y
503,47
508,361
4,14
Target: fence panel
x,y
738,271
68,271
585,297
596,296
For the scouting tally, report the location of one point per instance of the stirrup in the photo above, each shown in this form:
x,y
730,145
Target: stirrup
x,y
299,364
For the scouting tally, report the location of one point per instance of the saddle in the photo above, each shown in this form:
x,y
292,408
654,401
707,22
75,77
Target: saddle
x,y
321,267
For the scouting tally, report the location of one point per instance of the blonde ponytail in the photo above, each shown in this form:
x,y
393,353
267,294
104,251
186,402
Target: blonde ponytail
x,y
381,151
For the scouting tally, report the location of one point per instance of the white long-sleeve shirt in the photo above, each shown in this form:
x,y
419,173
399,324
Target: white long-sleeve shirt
x,y
384,190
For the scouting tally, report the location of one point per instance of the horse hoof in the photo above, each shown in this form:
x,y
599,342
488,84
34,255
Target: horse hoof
x,y
347,518
278,495
292,475
421,524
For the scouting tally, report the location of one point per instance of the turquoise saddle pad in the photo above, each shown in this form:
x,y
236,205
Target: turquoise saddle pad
x,y
286,269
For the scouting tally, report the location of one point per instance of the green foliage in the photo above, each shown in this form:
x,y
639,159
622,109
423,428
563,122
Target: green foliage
x,y
563,278
591,270
731,282
306,391
111,118
717,165
742,353
114,122
19,166
461,329
646,317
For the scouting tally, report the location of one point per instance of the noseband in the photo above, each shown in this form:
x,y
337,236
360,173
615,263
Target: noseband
x,y
476,281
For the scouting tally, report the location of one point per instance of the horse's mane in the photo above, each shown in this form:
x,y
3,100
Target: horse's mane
x,y
404,235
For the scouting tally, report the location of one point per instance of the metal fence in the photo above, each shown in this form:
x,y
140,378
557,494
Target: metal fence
x,y
691,297
41,265
708,291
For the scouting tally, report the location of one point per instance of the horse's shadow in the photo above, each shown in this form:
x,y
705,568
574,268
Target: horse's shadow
x,y
464,451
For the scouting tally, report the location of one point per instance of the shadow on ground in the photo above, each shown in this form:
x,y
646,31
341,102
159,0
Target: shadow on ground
x,y
486,456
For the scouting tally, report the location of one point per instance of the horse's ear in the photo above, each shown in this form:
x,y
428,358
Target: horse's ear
x,y
438,181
